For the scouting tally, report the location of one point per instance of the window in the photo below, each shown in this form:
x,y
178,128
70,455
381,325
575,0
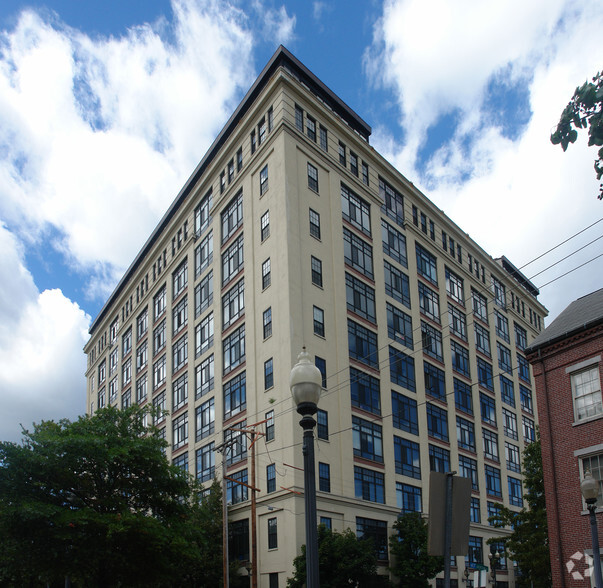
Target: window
x,y
113,387
435,381
490,445
365,391
357,253
204,335
181,462
270,478
375,530
523,368
594,464
205,417
368,440
299,118
454,287
365,174
232,260
437,422
393,202
498,288
234,349
180,279
424,223
324,477
239,159
265,225
504,358
127,372
261,131
475,554
394,243
141,389
482,340
457,322
102,371
480,306
507,392
362,344
316,269
159,372
402,369
484,374
512,456
439,459
236,492
462,396
321,364
253,145
493,487
159,408
264,180
342,159
204,294
426,264
399,326
521,337
488,409
515,492
126,399
396,284
429,302
408,498
239,540
206,463
322,425
142,324
266,274
407,458
355,210
179,353
235,398
237,443
101,397
267,323
431,339
180,392
159,304
369,485
113,330
405,415
314,224
180,315
268,374
312,177
204,377
202,218
525,397
223,175
327,522
475,514
272,533
159,337
529,431
460,358
180,431
233,304
465,433
509,424
126,342
232,216
468,469
360,298
269,425
319,321
493,512
324,144
204,253
354,163
586,391
502,326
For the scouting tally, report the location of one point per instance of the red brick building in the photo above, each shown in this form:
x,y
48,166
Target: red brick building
x,y
568,370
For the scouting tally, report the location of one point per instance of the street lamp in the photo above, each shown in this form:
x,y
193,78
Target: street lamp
x,y
494,559
590,490
305,382
466,573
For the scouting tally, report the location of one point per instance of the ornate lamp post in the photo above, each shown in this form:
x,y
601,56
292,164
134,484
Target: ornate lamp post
x,y
590,491
306,384
494,559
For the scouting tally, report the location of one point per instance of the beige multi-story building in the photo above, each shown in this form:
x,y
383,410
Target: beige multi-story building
x,y
290,214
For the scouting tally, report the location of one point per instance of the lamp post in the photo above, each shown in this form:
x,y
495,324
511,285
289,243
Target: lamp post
x,y
305,382
494,559
466,573
590,490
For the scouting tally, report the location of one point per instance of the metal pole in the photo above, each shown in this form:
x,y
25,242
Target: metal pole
x,y
312,575
225,566
448,529
254,543
596,551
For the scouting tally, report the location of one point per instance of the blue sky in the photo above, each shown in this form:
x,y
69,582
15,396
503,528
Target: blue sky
x,y
106,108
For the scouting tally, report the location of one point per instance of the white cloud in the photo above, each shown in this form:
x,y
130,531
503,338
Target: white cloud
x,y
277,24
41,340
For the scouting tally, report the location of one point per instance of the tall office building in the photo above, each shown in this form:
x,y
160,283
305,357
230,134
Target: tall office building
x,y
290,214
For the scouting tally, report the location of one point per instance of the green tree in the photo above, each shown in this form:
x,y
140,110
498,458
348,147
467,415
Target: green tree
x,y
413,566
343,561
95,500
528,544
585,110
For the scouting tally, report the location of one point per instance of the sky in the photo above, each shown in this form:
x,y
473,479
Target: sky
x,y
107,107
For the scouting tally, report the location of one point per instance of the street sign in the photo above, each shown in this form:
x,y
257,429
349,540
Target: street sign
x,y
481,567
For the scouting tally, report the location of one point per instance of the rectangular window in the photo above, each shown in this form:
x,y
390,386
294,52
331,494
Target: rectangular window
x,y
299,118
159,303
230,171
316,270
264,180
204,254
479,305
368,439
322,425
504,358
141,389
113,359
232,260
180,431
394,243
206,462
490,445
463,399
314,224
488,409
429,302
475,514
437,422
529,431
408,498
342,157
205,418
204,294
126,399
232,216
393,202
586,391
202,217
431,340
319,321
435,381
493,512
465,433
426,264
493,486
180,279
262,131
523,368
356,210
405,416
321,364
515,492
369,485
266,274
324,143
424,223
233,304
512,456
237,492
365,174
500,297
141,357
460,358
507,391
272,533
396,284
235,396
234,349
454,287
375,531
475,555
509,424
354,163
312,177
237,441
265,225
269,416
439,459
238,545
327,522
180,392
267,323
142,324
204,335
521,337
362,344
159,408
482,340
457,322
502,326
159,372
126,342
399,326
468,469
407,458
223,175
594,464
204,377
360,298
270,478
357,253
402,369
239,159
525,396
113,387
324,477
253,145
268,374
365,391
180,315
484,374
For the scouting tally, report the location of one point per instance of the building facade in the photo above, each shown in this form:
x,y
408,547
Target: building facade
x,y
290,213
566,359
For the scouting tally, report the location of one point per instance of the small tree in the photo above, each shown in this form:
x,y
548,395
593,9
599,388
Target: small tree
x,y
413,566
529,541
344,561
585,109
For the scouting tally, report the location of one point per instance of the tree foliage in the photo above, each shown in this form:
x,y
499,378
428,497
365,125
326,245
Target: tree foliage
x,y
343,561
95,500
585,110
413,566
528,544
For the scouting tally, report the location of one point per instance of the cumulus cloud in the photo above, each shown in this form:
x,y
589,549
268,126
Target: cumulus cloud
x,y
277,25
41,339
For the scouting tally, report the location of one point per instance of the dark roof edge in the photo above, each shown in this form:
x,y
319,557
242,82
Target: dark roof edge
x,y
569,333
281,57
527,284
